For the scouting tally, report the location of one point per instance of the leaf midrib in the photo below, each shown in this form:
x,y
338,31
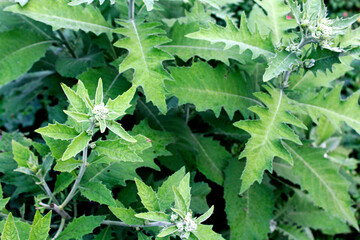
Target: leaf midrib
x,y
26,47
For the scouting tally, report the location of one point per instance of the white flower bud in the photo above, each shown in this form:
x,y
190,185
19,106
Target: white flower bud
x,y
100,112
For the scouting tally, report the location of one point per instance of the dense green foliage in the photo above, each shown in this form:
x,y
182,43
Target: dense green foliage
x,y
181,119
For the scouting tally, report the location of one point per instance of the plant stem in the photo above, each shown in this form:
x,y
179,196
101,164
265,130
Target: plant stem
x,y
57,209
122,224
61,227
81,173
49,192
67,45
131,9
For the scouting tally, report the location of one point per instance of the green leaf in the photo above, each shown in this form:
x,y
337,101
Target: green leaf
x,y
10,232
199,84
67,165
333,108
294,233
76,145
218,3
180,202
78,117
147,195
19,50
80,227
22,154
145,58
98,192
118,151
165,193
266,134
127,215
283,61
57,147
205,232
149,4
75,100
167,231
271,17
63,180
206,215
324,59
99,95
323,182
232,36
116,128
120,104
59,14
185,190
185,48
248,215
58,131
40,227
154,216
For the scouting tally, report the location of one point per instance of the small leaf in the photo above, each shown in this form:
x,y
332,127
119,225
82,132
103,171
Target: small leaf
x,y
98,192
10,232
127,215
120,104
40,227
117,150
75,100
154,216
80,227
185,190
167,231
22,154
283,61
206,215
179,201
116,128
77,145
99,93
205,232
58,131
148,196
79,117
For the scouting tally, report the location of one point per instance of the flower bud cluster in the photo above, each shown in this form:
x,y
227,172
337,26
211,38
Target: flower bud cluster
x,y
184,225
293,47
321,30
100,112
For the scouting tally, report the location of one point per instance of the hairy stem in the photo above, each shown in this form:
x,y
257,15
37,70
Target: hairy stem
x,y
122,224
61,227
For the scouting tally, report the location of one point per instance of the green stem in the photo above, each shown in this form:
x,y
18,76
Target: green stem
x,y
67,45
49,192
122,224
61,227
131,9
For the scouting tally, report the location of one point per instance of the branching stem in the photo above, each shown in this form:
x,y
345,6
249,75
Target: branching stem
x,y
122,224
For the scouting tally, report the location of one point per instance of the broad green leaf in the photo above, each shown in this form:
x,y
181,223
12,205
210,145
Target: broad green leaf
x,y
167,231
232,36
99,94
205,232
98,192
127,215
185,190
206,215
116,128
149,4
63,180
40,227
76,145
60,15
295,233
80,227
266,135
147,195
283,61
117,150
321,179
120,104
22,154
10,232
248,215
165,193
105,234
57,147
324,59
180,203
145,58
3,202
199,84
19,50
154,216
58,131
67,165
271,17
185,48
75,100
78,117
332,107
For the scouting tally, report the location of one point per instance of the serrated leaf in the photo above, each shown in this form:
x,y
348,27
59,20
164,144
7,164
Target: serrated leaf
x,y
120,104
58,131
148,196
117,150
243,212
149,4
323,182
22,154
145,58
63,180
67,165
180,203
333,108
199,84
266,134
233,36
271,17
324,59
294,232
205,232
98,192
127,215
78,117
116,128
10,232
186,48
154,216
75,100
77,145
60,15
19,50
283,61
40,227
80,227
185,190
57,147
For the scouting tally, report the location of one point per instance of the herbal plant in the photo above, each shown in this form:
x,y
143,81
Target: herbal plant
x,y
168,107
